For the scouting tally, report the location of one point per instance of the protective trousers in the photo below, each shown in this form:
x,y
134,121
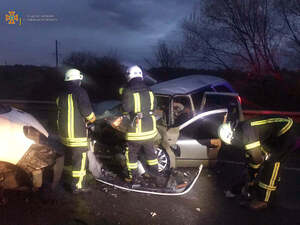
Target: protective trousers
x,y
269,174
132,152
78,167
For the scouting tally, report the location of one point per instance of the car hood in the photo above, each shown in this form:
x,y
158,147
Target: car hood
x,y
20,117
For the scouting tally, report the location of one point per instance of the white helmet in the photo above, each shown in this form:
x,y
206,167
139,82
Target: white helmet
x,y
225,132
133,72
73,74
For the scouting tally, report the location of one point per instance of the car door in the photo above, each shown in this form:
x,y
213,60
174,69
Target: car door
x,y
192,146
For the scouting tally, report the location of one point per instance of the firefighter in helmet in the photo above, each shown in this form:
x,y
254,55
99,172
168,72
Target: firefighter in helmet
x,y
74,112
138,104
266,142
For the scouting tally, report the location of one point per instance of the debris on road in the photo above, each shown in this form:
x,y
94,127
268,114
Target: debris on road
x,y
114,195
198,209
186,174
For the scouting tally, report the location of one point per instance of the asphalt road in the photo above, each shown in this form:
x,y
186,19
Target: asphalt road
x,y
204,204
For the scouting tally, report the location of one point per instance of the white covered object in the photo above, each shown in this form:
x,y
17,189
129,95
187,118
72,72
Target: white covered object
x,y
19,116
14,143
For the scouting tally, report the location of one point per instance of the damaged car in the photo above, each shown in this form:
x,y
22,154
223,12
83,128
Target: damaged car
x,y
28,157
189,111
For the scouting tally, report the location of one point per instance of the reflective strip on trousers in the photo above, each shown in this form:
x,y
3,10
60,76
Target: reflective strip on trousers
x,y
152,162
130,166
269,188
80,173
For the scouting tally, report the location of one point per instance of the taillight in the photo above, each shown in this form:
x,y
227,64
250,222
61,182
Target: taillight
x,y
239,99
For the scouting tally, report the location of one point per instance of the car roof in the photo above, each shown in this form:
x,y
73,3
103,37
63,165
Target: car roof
x,y
187,84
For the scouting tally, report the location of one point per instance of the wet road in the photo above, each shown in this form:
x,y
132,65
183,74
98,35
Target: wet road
x,y
204,204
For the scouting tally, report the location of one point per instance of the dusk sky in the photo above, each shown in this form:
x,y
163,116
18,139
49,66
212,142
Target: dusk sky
x,y
131,28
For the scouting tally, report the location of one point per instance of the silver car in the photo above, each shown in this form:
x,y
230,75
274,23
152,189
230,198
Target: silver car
x,y
189,111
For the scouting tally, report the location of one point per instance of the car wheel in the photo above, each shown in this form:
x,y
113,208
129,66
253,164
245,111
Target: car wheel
x,y
163,160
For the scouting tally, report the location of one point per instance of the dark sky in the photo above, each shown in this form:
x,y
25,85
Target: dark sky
x,y
131,28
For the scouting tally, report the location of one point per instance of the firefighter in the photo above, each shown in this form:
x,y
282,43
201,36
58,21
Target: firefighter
x,y
267,142
138,104
74,113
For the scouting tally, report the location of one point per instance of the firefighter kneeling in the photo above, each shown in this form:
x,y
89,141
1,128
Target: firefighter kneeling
x,y
267,142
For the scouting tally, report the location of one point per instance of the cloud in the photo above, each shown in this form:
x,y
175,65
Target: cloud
x,y
130,27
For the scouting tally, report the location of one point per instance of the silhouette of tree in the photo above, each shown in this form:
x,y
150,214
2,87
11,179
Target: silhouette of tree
x,y
234,34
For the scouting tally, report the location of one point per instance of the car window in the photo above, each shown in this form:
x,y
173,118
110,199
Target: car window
x,y
163,108
197,98
217,101
204,128
182,110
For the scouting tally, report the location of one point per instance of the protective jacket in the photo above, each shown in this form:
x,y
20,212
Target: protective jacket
x,y
74,108
267,140
138,104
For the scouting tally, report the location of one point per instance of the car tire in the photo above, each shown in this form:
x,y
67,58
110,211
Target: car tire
x,y
163,160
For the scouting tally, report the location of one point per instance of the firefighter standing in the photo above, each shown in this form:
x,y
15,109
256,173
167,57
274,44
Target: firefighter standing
x,y
138,104
74,112
267,142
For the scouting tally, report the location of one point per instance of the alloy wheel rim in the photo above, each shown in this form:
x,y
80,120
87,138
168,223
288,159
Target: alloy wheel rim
x,y
162,159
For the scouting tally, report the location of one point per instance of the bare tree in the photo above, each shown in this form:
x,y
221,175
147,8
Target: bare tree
x,y
104,75
80,60
290,11
166,57
234,33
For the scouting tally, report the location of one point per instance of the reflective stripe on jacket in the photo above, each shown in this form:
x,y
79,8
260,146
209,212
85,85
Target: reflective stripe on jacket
x,y
259,135
139,103
74,109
